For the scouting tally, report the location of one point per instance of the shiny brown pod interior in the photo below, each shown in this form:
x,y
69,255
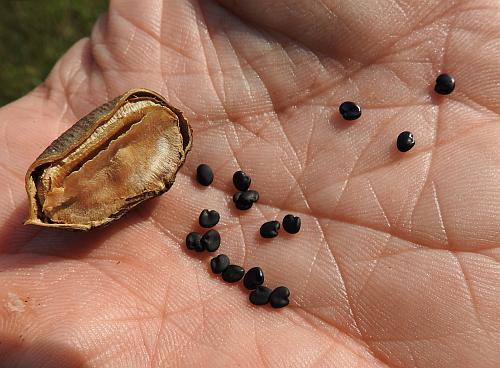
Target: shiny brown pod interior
x,y
124,152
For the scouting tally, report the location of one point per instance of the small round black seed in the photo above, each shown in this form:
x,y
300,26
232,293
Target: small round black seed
x,y
245,200
405,141
220,263
253,278
210,240
445,84
233,273
193,241
269,229
209,218
204,175
350,110
241,180
279,297
243,205
237,196
291,224
260,295
250,196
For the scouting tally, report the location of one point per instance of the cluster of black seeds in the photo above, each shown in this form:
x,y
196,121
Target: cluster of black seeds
x,y
270,229
243,199
253,279
445,84
210,240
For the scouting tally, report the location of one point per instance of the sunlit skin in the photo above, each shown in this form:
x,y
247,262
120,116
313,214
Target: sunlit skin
x,y
396,263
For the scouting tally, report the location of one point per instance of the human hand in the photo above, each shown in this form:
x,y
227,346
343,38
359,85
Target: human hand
x,y
397,260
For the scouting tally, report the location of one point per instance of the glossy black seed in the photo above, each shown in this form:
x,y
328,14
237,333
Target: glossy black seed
x,y
245,200
220,263
210,240
204,175
241,180
269,229
237,196
242,205
253,278
209,218
405,141
350,110
279,297
233,273
291,224
260,295
250,196
193,242
445,84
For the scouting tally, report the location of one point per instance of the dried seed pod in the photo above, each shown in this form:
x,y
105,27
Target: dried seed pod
x,y
119,155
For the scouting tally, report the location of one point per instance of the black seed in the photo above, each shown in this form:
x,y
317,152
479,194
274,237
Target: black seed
x,y
260,296
211,240
269,229
220,263
253,278
233,273
245,200
204,175
241,180
291,224
445,84
350,110
279,297
193,241
241,205
245,205
250,196
405,141
236,196
209,218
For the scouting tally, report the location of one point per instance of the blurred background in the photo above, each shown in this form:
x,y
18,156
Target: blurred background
x,y
34,34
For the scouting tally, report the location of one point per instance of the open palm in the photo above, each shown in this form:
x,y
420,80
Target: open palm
x,y
397,261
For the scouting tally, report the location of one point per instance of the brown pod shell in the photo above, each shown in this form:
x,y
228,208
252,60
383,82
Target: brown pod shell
x,y
119,155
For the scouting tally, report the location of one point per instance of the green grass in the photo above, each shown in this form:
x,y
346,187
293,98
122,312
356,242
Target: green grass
x,y
34,34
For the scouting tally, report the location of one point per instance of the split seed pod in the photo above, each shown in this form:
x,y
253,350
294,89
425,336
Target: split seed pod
x,y
119,155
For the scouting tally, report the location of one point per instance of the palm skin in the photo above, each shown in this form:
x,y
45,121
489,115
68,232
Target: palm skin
x,y
397,261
